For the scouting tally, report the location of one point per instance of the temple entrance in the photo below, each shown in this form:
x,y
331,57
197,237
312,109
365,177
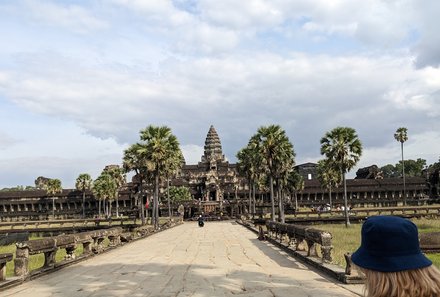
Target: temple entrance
x,y
212,195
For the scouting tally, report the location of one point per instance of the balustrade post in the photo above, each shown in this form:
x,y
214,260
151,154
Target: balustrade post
x,y
4,258
21,262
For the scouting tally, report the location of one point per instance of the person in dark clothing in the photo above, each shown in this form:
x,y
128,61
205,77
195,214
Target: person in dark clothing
x,y
201,221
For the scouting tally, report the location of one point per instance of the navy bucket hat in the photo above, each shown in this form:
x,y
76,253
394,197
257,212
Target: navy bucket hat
x,y
389,244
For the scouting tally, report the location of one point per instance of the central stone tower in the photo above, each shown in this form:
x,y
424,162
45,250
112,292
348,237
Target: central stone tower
x,y
213,181
213,147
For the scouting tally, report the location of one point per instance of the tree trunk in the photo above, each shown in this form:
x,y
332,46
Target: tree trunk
x,y
156,202
347,218
272,200
141,205
168,195
250,198
99,207
280,206
330,197
296,202
254,200
117,205
109,208
403,173
84,204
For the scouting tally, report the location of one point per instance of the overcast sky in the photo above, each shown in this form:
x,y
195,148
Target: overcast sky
x,y
79,79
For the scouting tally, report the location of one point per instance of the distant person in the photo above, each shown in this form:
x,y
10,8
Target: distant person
x,y
201,221
392,261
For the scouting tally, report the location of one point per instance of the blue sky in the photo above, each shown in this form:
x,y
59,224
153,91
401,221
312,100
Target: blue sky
x,y
79,79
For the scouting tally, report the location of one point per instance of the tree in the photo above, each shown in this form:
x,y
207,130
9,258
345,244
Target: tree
x,y
159,146
52,187
295,184
179,195
41,182
329,176
104,188
278,157
135,160
83,183
343,149
401,136
250,165
173,163
413,168
389,171
118,176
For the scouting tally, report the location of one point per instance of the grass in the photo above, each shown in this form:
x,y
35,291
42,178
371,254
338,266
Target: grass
x,y
348,239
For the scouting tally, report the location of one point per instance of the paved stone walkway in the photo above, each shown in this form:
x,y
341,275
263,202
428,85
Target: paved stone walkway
x,y
221,259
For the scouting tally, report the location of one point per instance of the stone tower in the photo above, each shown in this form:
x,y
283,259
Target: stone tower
x,y
213,147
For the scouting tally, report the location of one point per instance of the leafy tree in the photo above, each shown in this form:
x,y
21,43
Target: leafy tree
x,y
401,136
389,171
412,167
83,183
53,187
178,195
41,182
343,149
329,176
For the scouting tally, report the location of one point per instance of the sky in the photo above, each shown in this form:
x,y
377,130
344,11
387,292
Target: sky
x,y
80,79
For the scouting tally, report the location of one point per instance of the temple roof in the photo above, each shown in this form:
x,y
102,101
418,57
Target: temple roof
x,y
213,147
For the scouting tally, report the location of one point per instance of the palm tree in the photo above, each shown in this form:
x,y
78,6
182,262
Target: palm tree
x,y
295,184
118,177
83,183
278,156
160,146
134,160
53,186
343,149
104,187
329,177
401,136
246,168
173,164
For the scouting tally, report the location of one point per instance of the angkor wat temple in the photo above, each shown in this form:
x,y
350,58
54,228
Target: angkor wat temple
x,y
216,186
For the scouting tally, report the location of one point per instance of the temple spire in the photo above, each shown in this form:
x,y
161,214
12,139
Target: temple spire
x,y
213,147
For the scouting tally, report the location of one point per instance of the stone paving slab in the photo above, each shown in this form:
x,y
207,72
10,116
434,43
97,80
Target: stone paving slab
x,y
220,259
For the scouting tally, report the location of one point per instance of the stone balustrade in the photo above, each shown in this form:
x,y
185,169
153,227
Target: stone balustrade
x,y
303,238
92,243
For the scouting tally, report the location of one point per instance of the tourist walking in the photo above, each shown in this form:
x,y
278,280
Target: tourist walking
x,y
392,261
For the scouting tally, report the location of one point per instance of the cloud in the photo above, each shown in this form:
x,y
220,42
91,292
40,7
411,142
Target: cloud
x,y
307,94
73,17
6,140
307,65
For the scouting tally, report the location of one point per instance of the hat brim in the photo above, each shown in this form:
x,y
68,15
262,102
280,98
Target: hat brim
x,y
389,263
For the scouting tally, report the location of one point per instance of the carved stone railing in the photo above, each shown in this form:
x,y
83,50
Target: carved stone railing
x,y
430,242
303,242
73,224
303,238
91,242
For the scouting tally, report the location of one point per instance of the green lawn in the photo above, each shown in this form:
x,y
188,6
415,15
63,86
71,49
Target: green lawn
x,y
348,239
